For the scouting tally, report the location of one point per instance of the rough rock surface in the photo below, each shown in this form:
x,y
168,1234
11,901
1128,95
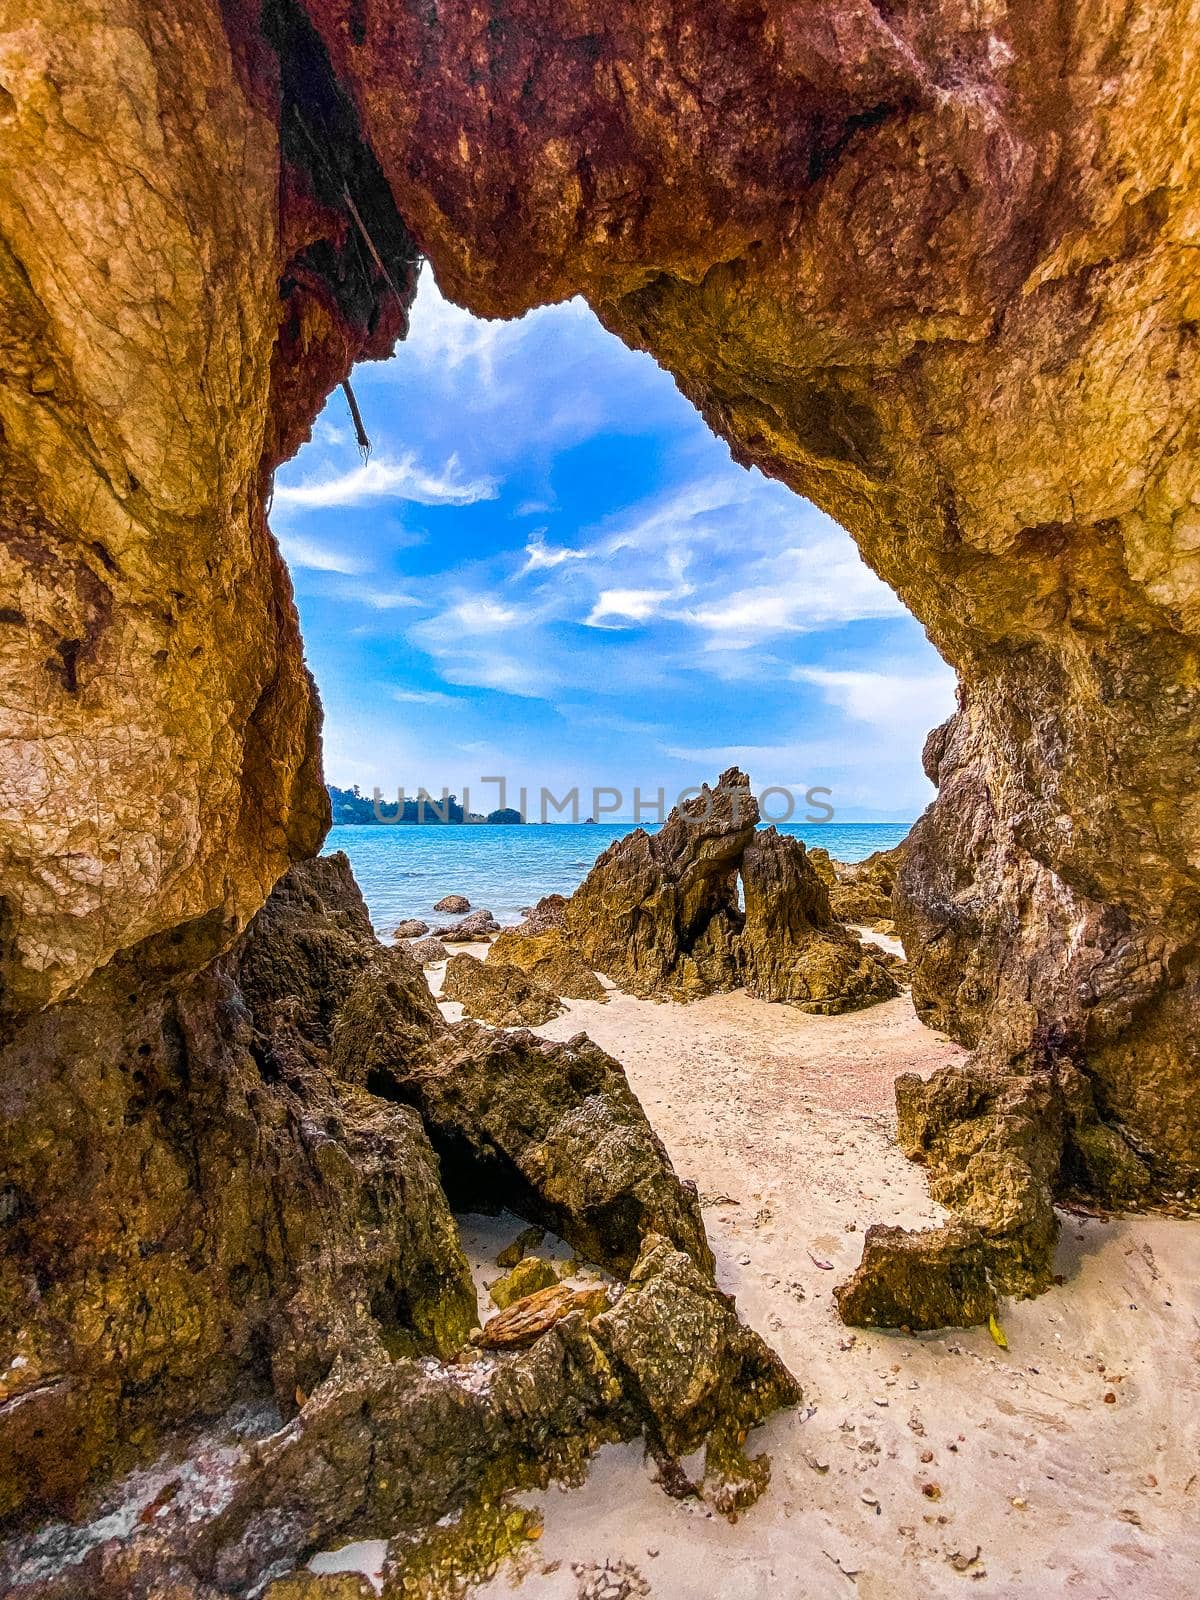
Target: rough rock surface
x,y
414,928
454,904
530,1274
398,1445
240,1196
543,948
861,892
194,1199
935,1279
497,993
658,913
551,1130
791,948
426,951
525,1319
473,927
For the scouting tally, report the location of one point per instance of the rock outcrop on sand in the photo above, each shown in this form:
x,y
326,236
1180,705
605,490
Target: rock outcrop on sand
x,y
542,947
246,1177
498,993
659,914
861,892
790,947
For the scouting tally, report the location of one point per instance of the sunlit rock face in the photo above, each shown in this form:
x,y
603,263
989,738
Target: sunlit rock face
x,y
178,298
933,266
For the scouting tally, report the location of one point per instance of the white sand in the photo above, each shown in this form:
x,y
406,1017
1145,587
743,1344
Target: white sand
x,y
785,1122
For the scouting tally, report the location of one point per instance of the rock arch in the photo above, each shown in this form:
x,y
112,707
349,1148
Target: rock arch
x,y
930,263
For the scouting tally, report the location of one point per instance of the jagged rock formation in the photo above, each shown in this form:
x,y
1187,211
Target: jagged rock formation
x,y
861,892
790,947
230,1182
542,947
400,1444
498,993
659,913
932,268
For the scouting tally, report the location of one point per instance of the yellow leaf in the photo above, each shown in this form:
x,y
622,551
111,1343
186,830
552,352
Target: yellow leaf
x,y
997,1332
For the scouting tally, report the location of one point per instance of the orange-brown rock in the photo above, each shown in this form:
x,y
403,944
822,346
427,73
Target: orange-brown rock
x,y
498,993
527,1319
791,947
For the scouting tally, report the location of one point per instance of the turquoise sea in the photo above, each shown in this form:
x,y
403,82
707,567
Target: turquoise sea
x,y
402,871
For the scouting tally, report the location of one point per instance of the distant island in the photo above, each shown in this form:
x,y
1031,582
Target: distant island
x,y
352,806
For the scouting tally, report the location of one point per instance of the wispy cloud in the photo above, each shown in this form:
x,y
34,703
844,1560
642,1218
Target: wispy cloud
x,y
618,608
898,703
380,479
317,557
544,556
423,697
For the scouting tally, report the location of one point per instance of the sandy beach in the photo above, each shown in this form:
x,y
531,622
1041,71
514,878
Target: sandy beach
x,y
931,1465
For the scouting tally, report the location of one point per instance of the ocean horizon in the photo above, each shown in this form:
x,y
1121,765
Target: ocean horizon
x,y
404,870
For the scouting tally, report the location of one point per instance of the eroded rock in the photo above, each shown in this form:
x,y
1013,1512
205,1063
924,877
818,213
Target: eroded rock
x,y
455,904
549,956
861,892
658,913
527,1276
938,1278
414,928
498,993
477,926
791,948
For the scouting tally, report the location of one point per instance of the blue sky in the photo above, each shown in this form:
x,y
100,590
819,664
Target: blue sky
x,y
549,568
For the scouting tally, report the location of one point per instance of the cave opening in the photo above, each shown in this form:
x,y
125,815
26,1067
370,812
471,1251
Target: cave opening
x,y
548,590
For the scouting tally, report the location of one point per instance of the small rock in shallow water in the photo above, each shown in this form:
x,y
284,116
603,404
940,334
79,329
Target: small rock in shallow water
x,y
414,928
456,904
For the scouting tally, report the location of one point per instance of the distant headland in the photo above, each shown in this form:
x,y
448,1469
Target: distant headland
x,y
352,806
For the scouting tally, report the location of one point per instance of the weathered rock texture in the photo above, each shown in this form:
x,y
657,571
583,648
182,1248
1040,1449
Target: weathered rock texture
x,y
790,947
659,913
498,993
861,892
228,1187
542,947
398,1445
930,265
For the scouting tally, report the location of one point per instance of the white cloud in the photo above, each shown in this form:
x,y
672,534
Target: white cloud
x,y
626,606
423,697
896,703
317,557
541,555
379,479
479,614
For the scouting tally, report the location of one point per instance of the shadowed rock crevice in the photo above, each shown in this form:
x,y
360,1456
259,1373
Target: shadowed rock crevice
x,y
239,1188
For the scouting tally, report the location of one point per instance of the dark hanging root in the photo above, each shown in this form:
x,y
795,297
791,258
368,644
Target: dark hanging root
x,y
364,444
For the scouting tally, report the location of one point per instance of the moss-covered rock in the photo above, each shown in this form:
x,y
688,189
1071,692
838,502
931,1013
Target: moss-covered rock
x,y
530,1274
937,1278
